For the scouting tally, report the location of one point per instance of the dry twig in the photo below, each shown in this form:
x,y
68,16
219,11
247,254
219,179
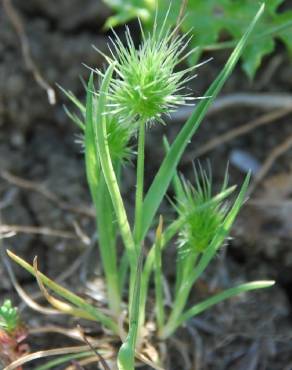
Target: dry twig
x,y
182,349
16,229
48,353
265,119
97,356
251,100
30,185
198,348
26,52
21,292
269,162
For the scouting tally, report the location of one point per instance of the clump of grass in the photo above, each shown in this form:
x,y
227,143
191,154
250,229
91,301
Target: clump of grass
x,y
139,87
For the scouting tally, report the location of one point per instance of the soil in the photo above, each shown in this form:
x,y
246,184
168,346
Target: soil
x,y
38,144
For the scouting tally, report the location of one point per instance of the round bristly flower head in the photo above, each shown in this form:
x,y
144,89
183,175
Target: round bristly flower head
x,y
206,215
146,84
118,135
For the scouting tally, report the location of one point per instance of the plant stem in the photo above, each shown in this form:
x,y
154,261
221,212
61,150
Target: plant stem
x,y
158,277
140,182
126,354
165,238
184,269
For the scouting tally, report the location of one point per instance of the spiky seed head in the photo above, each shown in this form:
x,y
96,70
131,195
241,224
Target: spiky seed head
x,y
118,135
118,139
146,84
205,216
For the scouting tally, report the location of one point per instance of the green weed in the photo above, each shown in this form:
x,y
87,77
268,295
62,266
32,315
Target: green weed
x,y
137,89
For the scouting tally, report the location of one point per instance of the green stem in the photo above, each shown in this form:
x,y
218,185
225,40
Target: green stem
x,y
158,277
140,182
139,198
165,238
185,267
126,354
123,272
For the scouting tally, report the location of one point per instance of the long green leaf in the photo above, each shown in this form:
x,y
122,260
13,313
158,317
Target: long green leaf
x,y
168,167
65,293
158,277
202,306
91,154
103,205
100,133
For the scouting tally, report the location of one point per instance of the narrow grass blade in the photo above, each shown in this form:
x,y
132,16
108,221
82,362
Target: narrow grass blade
x,y
123,272
202,306
61,306
176,183
42,354
91,154
75,118
62,360
69,94
95,314
103,205
100,133
166,172
178,192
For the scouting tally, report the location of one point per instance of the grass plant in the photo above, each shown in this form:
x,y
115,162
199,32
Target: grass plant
x,y
138,88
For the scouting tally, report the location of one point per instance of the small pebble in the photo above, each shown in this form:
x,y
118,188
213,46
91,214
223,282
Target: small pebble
x,y
244,161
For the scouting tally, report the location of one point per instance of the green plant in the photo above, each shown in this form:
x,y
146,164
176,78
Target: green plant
x,y
9,318
211,19
138,87
12,334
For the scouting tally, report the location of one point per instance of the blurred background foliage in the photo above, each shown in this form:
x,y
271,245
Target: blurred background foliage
x,y
214,24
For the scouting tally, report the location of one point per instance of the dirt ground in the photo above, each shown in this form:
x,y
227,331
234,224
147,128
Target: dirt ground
x,y
43,187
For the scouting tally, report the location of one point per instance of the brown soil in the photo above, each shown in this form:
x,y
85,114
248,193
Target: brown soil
x,y
37,143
